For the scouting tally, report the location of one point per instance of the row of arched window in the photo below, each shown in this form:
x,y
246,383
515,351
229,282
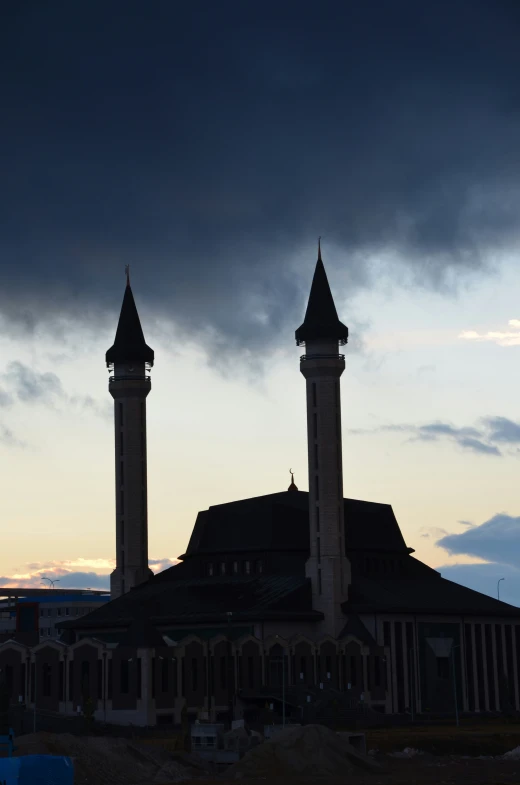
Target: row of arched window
x,y
235,567
388,566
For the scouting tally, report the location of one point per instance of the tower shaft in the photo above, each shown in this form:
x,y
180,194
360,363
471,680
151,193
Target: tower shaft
x,y
327,566
131,482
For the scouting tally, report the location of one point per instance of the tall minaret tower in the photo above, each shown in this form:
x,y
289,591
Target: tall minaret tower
x,y
322,333
129,361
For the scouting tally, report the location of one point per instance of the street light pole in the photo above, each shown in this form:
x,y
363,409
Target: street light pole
x,y
498,586
51,581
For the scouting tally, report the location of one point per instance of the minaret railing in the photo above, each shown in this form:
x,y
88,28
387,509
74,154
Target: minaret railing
x,y
132,378
305,357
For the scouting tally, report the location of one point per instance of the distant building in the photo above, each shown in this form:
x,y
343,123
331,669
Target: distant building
x,y
304,602
51,608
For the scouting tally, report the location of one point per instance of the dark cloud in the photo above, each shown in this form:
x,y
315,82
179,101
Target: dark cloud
x,y
444,429
467,438
484,578
30,386
209,144
63,579
83,580
26,385
496,540
503,430
475,445
474,439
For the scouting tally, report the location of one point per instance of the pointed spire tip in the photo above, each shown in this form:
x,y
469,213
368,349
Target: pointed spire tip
x,y
292,486
129,344
321,318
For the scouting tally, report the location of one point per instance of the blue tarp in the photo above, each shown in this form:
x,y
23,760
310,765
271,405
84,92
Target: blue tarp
x,y
37,770
9,771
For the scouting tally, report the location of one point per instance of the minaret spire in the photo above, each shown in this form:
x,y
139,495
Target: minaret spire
x,y
327,567
321,318
129,344
129,361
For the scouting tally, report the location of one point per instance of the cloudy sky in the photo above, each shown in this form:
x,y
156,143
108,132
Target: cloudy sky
x,y
208,145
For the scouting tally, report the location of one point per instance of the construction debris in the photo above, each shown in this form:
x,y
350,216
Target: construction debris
x,y
107,761
303,752
408,752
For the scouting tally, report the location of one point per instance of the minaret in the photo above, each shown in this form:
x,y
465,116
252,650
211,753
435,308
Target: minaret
x,y
322,333
129,361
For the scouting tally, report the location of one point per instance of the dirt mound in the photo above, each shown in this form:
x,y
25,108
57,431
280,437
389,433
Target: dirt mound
x,y
512,754
310,752
105,760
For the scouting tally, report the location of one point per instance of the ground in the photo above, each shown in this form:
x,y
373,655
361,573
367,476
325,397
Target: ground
x,y
441,754
410,772
450,755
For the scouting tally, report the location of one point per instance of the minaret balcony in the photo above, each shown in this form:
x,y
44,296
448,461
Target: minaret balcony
x,y
307,357
130,378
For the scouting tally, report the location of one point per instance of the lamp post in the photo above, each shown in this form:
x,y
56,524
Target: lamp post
x,y
52,581
498,586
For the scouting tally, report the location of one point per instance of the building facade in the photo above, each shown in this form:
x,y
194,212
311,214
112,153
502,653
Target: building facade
x,y
232,675
310,600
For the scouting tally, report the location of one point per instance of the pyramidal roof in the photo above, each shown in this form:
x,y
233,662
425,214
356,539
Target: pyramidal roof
x,y
321,318
129,344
